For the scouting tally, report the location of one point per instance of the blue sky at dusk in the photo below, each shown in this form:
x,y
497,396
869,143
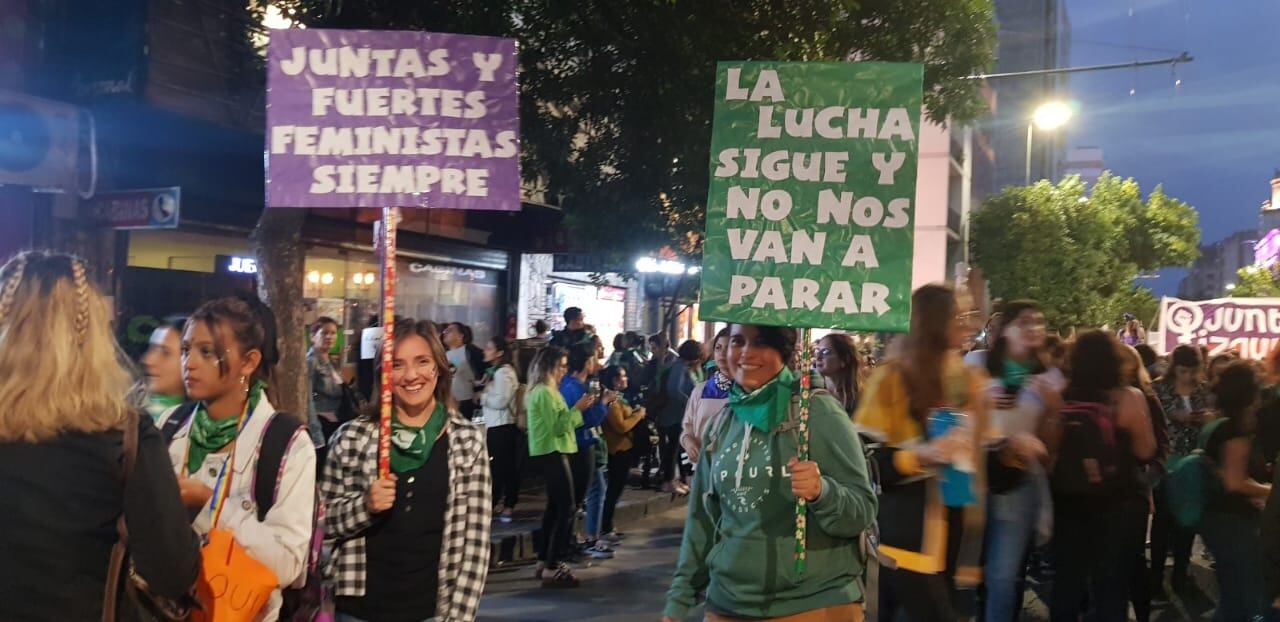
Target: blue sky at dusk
x,y
1214,141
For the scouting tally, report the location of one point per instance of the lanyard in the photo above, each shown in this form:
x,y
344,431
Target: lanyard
x,y
222,486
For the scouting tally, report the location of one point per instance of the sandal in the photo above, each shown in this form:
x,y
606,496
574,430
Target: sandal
x,y
563,578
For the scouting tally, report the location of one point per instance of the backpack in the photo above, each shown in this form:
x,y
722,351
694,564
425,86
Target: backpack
x,y
307,602
1191,480
1088,457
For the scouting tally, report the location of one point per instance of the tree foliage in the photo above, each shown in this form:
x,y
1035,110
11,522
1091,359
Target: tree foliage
x,y
616,97
1078,253
1256,282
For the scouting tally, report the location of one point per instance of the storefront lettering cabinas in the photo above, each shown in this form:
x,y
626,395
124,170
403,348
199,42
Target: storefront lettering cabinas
x,y
471,274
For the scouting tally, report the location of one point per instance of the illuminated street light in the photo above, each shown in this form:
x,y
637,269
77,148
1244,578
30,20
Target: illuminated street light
x,y
1048,116
649,265
1052,115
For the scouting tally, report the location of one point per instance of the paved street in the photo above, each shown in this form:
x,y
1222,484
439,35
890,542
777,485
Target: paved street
x,y
629,588
632,586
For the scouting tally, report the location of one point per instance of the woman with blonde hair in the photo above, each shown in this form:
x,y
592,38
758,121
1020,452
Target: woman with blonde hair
x,y
551,442
66,429
413,545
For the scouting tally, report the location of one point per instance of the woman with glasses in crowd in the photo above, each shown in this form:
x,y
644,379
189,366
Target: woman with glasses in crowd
x,y
838,363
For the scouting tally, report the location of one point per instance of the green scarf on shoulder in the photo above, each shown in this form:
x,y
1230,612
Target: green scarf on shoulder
x,y
209,435
767,406
410,446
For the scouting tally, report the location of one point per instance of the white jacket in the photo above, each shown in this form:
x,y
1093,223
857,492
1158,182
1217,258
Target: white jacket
x,y
498,399
282,541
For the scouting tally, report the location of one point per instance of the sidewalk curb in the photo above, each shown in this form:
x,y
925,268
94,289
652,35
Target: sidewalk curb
x,y
518,548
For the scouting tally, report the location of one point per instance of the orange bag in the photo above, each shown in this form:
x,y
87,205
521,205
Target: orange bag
x,y
233,586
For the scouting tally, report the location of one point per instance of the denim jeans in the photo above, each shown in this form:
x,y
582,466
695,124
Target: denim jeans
x,y
596,488
1235,542
1011,522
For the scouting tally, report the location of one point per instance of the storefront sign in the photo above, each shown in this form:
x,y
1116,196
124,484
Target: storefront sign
x,y
360,118
1249,327
155,208
810,209
236,265
451,272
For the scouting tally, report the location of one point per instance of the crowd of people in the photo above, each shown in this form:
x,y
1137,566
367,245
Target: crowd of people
x,y
973,464
958,468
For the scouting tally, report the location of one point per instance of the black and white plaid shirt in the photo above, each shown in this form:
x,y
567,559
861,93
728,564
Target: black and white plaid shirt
x,y
464,555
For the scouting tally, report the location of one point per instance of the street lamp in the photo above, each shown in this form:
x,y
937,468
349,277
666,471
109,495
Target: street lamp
x,y
1048,116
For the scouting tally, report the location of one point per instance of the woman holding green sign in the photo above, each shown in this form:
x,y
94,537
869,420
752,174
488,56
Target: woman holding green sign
x,y
739,539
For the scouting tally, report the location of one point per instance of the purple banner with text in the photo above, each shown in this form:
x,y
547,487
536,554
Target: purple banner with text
x,y
1249,327
362,118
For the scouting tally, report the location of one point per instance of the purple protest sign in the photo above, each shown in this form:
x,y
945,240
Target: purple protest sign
x,y
361,118
1249,327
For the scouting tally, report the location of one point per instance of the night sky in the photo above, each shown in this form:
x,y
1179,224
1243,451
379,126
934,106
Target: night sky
x,y
1214,141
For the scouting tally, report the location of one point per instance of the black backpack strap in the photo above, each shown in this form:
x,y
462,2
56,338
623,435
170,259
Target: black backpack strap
x,y
175,421
275,444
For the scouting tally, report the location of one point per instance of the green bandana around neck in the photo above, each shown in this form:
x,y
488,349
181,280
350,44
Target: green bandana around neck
x,y
1015,374
410,446
767,406
158,405
209,435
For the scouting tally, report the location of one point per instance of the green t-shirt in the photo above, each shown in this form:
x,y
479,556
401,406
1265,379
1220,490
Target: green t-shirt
x,y
551,422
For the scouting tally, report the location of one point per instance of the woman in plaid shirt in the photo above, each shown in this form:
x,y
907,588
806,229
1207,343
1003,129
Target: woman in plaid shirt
x,y
414,546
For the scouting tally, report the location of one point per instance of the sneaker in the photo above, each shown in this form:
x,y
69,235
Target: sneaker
x,y
598,552
614,537
563,578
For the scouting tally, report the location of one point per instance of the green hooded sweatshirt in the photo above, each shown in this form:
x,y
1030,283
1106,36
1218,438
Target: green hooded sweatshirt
x,y
739,537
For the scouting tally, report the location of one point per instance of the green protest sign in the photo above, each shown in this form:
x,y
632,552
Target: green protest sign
x,y
812,196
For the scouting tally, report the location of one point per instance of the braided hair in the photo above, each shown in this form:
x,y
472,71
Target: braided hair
x,y
61,367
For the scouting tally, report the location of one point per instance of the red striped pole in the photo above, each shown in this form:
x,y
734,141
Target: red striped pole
x,y
390,216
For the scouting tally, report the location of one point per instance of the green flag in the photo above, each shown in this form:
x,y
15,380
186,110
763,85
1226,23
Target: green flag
x,y
811,207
